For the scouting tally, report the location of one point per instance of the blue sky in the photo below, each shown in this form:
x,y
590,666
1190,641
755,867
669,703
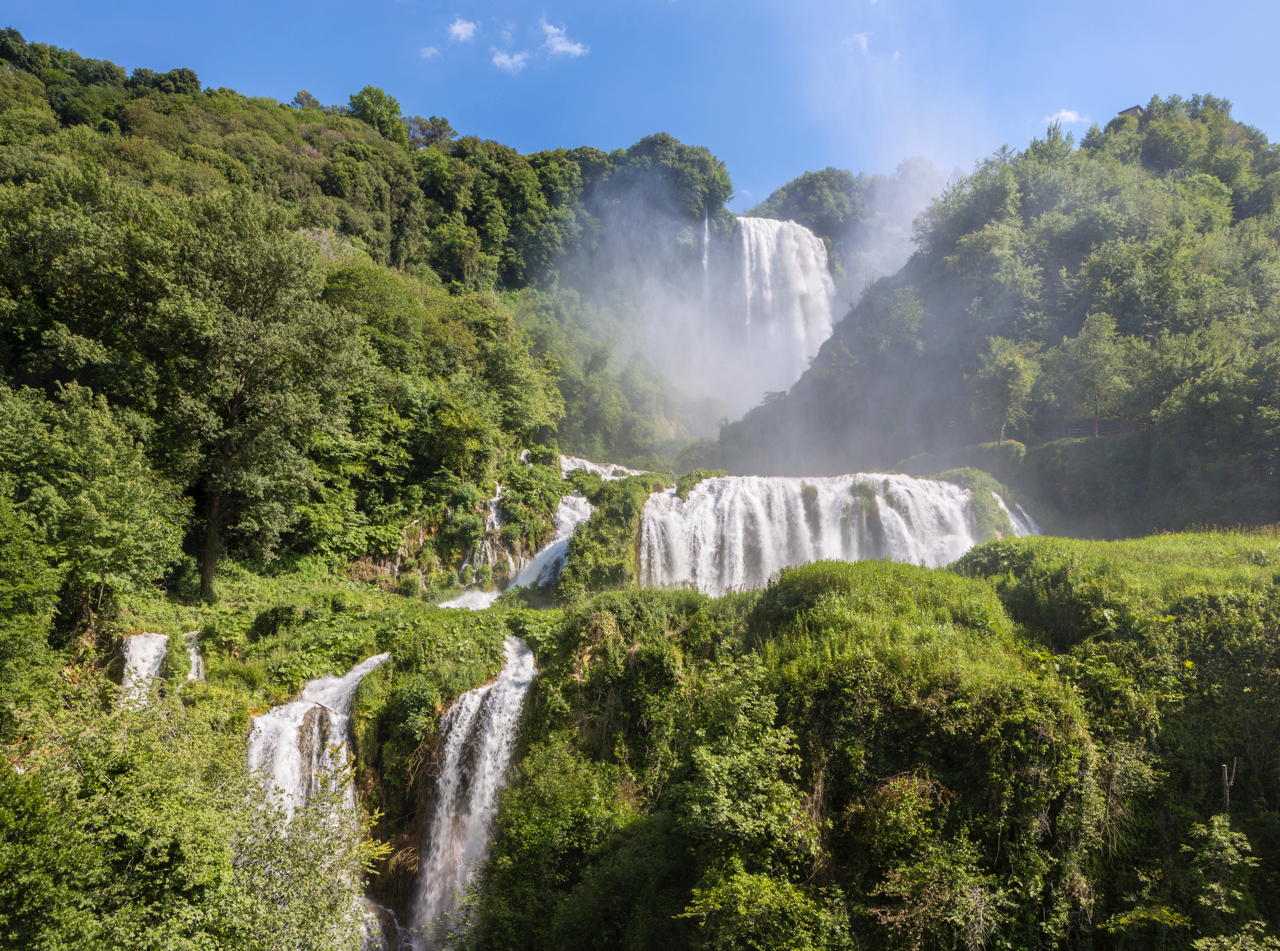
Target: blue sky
x,y
773,88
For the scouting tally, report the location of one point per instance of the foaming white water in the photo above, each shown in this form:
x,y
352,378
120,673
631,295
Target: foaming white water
x,y
1021,520
474,600
546,565
733,532
477,735
491,550
144,656
195,659
606,470
297,746
786,292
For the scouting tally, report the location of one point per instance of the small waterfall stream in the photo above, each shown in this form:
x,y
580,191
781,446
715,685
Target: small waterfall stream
x,y
297,746
477,737
545,567
144,656
195,659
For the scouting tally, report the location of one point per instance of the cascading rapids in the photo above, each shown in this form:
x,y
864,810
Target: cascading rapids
x,y
732,533
545,567
478,735
297,746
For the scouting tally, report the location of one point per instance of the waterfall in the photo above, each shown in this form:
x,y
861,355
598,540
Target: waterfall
x,y
490,550
546,565
734,532
195,659
297,746
477,737
786,292
144,656
1022,522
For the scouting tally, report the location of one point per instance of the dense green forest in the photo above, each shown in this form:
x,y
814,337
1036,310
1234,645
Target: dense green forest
x,y
262,365
1125,287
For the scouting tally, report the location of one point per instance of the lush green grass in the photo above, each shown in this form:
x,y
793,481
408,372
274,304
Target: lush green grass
x,y
1070,589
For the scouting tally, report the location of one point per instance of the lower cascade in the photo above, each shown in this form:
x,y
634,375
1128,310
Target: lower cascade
x,y
734,532
301,744
478,735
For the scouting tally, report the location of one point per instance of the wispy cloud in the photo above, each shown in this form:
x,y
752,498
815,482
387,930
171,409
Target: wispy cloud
x,y
558,43
460,30
1065,116
429,52
861,40
510,62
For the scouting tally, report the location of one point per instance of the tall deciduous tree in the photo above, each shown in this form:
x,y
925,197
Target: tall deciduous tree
x,y
1006,376
276,363
382,111
1092,368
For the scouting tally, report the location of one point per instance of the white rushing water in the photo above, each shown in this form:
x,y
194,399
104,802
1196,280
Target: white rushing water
x,y
144,656
490,549
297,746
1021,520
477,737
195,659
733,532
787,293
546,565
608,471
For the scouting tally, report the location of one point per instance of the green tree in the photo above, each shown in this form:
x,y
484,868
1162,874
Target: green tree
x,y
1092,368
382,111
82,477
739,910
276,365
28,594
304,100
1004,382
432,130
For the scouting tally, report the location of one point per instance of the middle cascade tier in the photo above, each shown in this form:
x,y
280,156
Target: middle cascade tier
x,y
734,532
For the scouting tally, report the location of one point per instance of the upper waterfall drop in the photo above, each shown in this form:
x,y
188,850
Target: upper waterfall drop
x,y
734,532
786,298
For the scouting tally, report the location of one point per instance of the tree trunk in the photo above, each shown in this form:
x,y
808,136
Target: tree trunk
x,y
212,547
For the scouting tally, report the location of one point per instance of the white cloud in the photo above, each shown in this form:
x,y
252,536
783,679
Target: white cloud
x,y
860,40
461,30
510,62
558,42
429,52
1065,116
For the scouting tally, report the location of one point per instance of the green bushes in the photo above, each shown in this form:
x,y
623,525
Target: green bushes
x,y
862,752
602,552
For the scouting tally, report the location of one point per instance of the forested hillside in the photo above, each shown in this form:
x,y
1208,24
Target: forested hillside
x,y
1125,287
298,328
